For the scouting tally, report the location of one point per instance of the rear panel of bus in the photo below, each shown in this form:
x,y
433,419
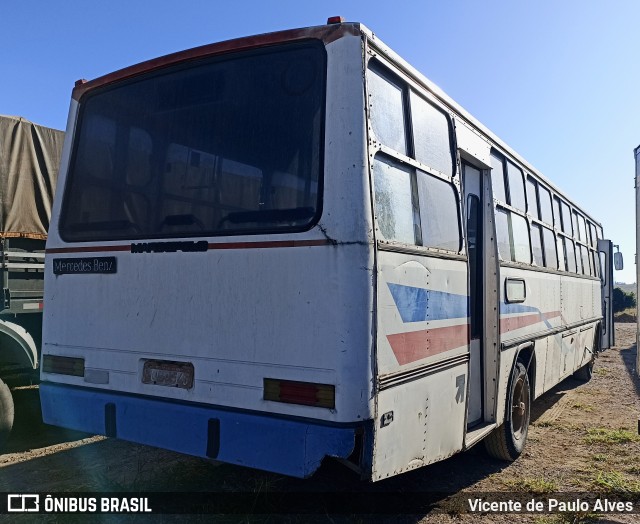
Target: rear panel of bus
x,y
210,263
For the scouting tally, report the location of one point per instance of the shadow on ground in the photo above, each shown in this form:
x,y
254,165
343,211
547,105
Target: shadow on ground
x,y
29,432
629,356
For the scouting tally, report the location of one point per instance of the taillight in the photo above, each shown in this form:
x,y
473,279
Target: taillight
x,y
305,393
63,365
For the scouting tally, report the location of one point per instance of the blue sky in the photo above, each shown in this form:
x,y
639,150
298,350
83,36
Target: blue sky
x,y
556,80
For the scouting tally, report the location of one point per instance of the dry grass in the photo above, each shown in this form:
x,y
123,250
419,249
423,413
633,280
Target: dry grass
x,y
533,485
610,436
615,482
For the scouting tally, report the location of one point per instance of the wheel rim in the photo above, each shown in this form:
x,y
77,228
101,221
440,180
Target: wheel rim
x,y
520,408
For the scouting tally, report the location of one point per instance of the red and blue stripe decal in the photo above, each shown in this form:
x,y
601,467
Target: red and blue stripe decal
x,y
511,322
417,304
421,305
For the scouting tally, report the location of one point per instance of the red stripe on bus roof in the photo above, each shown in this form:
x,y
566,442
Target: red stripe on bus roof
x,y
326,33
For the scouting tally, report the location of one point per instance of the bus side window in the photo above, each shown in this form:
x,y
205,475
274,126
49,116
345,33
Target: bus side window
x,y
511,228
431,136
594,240
393,200
570,255
536,244
562,259
582,226
520,239
516,187
497,177
386,101
532,198
586,263
578,225
550,255
438,213
546,215
502,232
557,216
566,219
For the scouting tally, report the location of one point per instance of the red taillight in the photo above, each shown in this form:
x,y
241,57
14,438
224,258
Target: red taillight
x,y
335,20
305,393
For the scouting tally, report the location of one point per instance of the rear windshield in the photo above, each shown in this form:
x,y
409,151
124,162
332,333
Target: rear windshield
x,y
222,146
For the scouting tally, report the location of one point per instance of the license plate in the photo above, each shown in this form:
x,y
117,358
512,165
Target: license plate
x,y
166,373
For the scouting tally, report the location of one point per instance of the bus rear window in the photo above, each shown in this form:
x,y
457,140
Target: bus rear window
x,y
223,146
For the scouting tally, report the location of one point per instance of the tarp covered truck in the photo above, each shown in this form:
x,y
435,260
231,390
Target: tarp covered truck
x,y
29,163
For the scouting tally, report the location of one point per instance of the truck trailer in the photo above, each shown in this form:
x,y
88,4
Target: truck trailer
x,y
29,163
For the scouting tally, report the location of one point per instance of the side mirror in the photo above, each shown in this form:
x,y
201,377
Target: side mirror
x,y
618,263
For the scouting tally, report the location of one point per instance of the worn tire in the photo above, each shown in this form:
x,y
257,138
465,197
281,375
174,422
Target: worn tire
x,y
507,441
6,414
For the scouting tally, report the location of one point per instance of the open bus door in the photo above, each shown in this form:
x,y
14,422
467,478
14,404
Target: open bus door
x,y
605,251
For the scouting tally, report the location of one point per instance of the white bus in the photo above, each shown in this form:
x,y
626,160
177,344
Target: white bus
x,y
292,246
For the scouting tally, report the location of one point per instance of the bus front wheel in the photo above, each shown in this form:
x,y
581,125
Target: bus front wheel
x,y
507,441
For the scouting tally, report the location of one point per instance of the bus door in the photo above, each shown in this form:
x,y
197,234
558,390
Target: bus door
x,y
475,241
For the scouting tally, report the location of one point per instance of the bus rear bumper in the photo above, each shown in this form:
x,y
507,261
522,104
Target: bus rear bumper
x,y
271,443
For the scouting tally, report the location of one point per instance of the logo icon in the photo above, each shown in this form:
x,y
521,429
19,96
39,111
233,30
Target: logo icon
x,y
23,503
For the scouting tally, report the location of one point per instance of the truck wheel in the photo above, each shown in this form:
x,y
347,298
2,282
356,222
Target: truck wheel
x,y
507,441
6,413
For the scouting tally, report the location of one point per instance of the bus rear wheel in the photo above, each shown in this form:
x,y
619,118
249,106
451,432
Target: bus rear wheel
x,y
507,441
6,413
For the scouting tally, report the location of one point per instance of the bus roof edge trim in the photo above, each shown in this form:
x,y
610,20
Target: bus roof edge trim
x,y
326,33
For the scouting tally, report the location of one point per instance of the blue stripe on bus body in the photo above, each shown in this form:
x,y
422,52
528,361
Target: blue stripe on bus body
x,y
417,304
511,309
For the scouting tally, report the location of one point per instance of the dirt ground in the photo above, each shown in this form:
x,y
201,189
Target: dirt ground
x,y
583,443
